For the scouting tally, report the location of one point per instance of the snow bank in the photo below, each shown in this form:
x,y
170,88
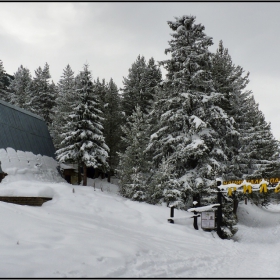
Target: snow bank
x,y
26,189
27,166
98,234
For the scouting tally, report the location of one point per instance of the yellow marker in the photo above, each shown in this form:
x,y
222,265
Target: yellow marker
x,y
247,188
277,189
230,190
263,188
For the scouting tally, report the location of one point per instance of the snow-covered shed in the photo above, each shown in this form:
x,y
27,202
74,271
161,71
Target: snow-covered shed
x,y
24,131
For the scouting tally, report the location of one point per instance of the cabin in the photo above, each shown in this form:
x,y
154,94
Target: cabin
x,y
24,131
25,147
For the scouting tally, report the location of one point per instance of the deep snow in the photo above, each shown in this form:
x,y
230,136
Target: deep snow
x,y
100,234
94,233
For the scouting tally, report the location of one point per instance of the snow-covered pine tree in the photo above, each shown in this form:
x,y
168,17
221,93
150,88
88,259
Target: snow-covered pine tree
x,y
100,89
254,150
191,120
133,86
84,141
230,80
112,123
66,98
19,86
139,86
133,169
5,80
152,76
42,98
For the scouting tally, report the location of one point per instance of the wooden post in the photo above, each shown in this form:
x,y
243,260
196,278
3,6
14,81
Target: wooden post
x,y
219,211
219,215
196,203
171,215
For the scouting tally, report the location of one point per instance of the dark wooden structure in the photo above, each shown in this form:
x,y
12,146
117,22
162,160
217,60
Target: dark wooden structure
x,y
31,201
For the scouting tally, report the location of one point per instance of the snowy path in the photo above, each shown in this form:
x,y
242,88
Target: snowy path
x,y
100,234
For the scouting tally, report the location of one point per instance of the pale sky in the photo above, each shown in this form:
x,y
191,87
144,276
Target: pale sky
x,y
109,36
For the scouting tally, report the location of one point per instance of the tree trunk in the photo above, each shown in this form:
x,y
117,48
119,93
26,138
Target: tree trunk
x,y
85,175
235,206
79,173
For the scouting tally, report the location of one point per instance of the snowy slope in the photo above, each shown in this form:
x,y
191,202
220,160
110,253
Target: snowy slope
x,y
94,233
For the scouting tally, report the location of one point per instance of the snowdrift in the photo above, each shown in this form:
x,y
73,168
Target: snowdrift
x,y
87,232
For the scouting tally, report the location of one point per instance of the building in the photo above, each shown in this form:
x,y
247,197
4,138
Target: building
x,y
24,131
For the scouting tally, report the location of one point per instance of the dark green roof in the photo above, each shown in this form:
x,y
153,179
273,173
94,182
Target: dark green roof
x,y
24,131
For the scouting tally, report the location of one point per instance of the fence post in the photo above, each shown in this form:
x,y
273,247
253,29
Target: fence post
x,y
196,203
219,210
171,214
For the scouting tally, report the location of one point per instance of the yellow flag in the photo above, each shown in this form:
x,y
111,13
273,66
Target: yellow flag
x,y
229,191
263,188
277,189
247,188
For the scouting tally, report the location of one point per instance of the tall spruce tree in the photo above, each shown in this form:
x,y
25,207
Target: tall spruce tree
x,y
112,123
19,87
133,169
139,86
133,86
230,80
84,141
191,121
253,151
66,98
41,96
5,80
101,89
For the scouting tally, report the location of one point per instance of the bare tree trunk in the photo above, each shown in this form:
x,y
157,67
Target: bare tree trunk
x,y
235,206
85,175
79,173
109,176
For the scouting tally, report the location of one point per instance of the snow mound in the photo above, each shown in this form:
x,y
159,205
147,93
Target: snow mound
x,y
21,165
26,189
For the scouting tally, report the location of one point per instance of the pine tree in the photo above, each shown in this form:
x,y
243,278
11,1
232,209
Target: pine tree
x,y
84,141
253,151
231,82
140,85
191,121
112,122
66,98
101,89
42,97
19,87
5,80
133,86
134,167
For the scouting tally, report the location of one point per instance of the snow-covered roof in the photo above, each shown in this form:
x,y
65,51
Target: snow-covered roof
x,y
24,131
66,166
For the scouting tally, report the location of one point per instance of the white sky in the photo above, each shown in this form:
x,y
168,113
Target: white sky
x,y
110,36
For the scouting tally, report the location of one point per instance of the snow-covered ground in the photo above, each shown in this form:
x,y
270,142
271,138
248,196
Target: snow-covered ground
x,y
94,233
84,232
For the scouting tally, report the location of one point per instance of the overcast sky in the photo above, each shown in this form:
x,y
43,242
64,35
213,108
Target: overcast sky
x,y
110,36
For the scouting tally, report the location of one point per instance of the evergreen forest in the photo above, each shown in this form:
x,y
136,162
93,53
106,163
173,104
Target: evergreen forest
x,y
167,139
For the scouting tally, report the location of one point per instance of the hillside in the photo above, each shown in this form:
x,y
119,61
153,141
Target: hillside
x,y
94,233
